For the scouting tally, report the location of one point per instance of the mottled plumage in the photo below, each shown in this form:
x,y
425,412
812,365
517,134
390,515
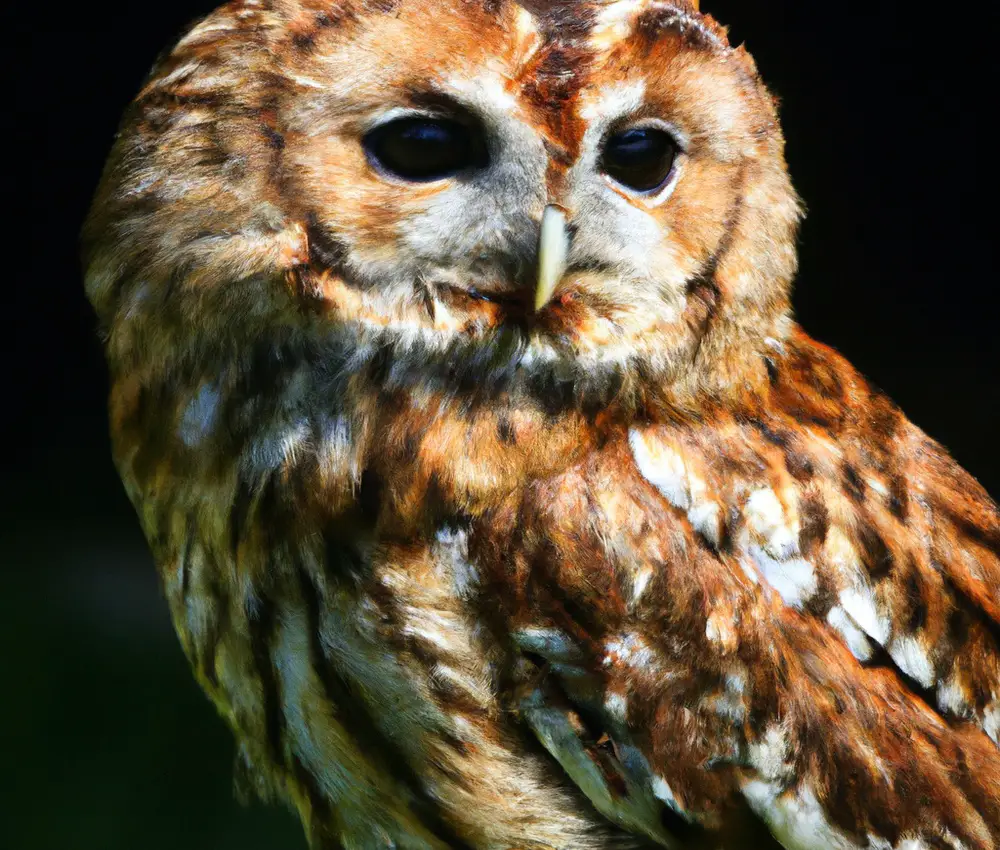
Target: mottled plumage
x,y
642,566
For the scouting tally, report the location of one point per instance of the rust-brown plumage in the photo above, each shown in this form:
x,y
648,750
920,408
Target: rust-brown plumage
x,y
644,567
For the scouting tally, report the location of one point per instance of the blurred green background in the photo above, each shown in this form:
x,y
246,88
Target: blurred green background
x,y
107,742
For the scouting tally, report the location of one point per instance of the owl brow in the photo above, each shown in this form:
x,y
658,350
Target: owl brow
x,y
568,22
652,21
441,103
384,6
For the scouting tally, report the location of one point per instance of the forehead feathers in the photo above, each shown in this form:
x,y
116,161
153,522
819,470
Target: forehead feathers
x,y
223,101
540,53
241,162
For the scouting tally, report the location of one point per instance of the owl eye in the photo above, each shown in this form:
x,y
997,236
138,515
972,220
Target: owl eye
x,y
640,158
424,149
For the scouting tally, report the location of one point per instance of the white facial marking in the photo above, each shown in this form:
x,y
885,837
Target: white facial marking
x,y
529,39
912,659
661,466
855,639
611,102
614,23
485,91
613,223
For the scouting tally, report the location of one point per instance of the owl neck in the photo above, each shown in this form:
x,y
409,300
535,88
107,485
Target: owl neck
x,y
313,419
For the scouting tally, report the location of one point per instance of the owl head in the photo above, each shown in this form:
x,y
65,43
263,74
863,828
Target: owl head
x,y
584,198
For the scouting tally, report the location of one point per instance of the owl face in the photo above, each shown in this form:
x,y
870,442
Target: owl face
x,y
394,162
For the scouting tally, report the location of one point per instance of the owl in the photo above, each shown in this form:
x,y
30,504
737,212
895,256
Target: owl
x,y
498,500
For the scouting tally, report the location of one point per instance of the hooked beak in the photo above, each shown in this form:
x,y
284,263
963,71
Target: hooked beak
x,y
553,248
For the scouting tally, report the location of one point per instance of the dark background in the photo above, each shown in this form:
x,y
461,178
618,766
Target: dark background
x,y
107,741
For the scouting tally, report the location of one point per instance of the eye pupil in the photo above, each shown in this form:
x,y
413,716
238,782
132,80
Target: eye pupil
x,y
640,158
425,149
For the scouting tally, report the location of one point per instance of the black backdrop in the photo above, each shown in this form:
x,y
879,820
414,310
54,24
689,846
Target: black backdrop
x,y
111,745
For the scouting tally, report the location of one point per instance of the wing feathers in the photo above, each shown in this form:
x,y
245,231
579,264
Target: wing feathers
x,y
793,607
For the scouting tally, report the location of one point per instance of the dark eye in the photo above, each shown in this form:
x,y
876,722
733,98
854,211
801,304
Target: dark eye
x,y
640,158
425,149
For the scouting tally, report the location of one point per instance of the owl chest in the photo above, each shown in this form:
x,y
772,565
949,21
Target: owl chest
x,y
366,640
444,657
430,622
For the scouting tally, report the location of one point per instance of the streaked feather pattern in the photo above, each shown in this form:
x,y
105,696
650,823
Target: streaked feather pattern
x,y
648,567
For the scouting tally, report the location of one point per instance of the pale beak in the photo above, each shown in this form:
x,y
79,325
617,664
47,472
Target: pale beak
x,y
553,248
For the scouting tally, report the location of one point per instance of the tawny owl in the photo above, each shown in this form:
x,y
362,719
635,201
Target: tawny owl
x,y
498,500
